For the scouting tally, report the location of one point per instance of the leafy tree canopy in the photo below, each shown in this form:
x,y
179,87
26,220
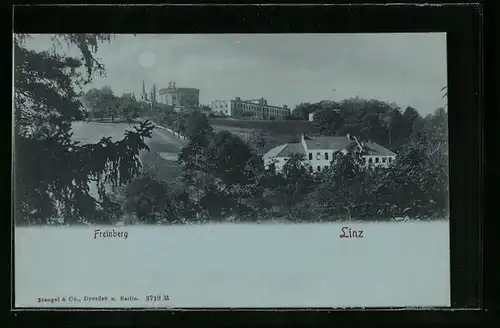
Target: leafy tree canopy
x,y
52,171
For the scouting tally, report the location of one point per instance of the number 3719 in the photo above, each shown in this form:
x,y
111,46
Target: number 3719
x,y
157,298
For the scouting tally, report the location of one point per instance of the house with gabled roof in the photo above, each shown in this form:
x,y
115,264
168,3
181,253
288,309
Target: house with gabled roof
x,y
318,152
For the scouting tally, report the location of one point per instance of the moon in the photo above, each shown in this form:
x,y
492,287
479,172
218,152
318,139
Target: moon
x,y
147,59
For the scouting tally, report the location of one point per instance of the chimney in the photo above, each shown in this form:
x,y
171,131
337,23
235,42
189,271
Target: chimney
x,y
358,143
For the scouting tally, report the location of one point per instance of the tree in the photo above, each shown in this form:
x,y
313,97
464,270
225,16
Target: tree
x,y
196,124
144,95
109,103
328,122
179,123
53,172
153,94
445,93
298,183
417,185
102,102
222,174
129,107
345,189
303,110
256,139
149,200
396,128
374,129
412,123
435,131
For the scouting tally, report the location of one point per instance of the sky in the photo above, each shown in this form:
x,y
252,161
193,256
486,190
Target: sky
x,y
286,69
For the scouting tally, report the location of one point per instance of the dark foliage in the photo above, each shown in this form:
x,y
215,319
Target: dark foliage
x,y
223,176
225,179
53,172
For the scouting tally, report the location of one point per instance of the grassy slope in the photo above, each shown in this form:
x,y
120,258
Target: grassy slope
x,y
168,171
275,132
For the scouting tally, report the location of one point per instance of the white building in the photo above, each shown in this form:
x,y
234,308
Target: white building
x,y
318,152
256,109
181,99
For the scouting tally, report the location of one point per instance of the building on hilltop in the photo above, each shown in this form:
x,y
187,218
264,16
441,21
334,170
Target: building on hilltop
x,y
181,99
255,109
318,152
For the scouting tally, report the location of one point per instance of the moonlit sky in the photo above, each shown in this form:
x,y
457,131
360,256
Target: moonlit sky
x,y
408,69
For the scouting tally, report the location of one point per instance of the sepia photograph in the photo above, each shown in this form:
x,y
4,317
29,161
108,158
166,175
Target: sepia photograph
x,y
230,171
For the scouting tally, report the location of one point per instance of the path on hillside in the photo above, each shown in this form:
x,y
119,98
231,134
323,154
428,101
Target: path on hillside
x,y
162,136
162,141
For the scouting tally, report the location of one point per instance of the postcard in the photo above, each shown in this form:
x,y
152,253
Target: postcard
x,y
230,171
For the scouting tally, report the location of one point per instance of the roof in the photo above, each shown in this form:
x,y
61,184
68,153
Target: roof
x,y
337,143
373,149
283,151
323,142
274,152
290,149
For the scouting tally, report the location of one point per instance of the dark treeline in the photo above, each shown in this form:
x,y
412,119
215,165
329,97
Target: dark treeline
x,y
225,179
104,104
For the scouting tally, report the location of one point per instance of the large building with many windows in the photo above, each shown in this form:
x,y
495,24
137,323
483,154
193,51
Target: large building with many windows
x,y
318,152
181,99
255,109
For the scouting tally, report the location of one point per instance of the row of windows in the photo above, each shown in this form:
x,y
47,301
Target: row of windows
x,y
369,160
318,168
251,108
261,109
318,156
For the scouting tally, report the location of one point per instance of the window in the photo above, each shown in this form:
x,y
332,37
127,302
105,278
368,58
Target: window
x,y
370,160
326,167
326,156
310,156
310,169
318,156
318,168
390,159
383,159
376,159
